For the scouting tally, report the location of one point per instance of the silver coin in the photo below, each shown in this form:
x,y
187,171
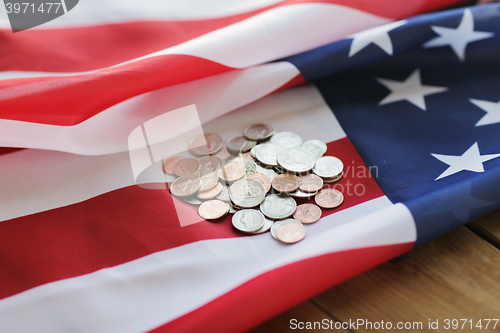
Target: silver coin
x,y
328,167
248,220
334,179
278,206
267,225
267,171
286,140
250,166
232,209
239,144
296,159
268,154
209,181
247,193
253,151
258,132
224,194
209,164
301,194
185,186
315,147
277,224
193,200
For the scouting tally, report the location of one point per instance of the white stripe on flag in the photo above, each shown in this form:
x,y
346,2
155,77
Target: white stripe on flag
x,y
147,292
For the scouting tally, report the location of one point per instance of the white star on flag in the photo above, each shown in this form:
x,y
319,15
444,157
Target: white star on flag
x,y
471,160
410,89
378,36
492,110
458,38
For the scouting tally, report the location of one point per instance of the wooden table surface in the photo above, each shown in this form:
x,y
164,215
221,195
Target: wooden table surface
x,y
456,276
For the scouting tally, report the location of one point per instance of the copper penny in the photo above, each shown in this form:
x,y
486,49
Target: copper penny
x,y
286,183
212,146
333,179
210,194
186,166
310,183
168,165
239,144
261,178
185,186
329,198
213,209
232,171
291,233
307,213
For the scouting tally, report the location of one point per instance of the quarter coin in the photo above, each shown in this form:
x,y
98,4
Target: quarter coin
x,y
213,209
329,198
239,144
286,183
278,206
286,140
248,220
258,132
310,183
209,181
263,179
208,144
328,167
185,186
209,164
291,233
277,224
231,172
267,225
186,166
315,147
267,154
296,159
307,213
210,194
168,165
247,193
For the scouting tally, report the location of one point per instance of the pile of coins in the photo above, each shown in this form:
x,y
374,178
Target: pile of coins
x,y
256,178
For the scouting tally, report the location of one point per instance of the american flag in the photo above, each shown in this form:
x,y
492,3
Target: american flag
x,y
409,103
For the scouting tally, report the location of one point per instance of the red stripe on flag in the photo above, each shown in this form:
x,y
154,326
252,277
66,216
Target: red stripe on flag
x,y
280,289
121,226
95,47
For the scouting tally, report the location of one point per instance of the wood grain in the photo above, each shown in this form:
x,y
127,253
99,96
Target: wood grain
x,y
488,227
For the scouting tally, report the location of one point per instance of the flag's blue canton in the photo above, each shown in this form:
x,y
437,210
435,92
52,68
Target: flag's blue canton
x,y
422,105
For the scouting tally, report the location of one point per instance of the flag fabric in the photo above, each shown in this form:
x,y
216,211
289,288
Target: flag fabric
x,y
408,103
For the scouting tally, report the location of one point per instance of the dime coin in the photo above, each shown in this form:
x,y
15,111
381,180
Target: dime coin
x,y
328,167
333,179
329,198
290,233
224,194
268,154
185,186
267,225
248,220
310,183
286,183
239,144
210,194
247,193
315,147
258,132
286,140
277,224
307,213
278,206
209,181
250,166
254,150
168,165
186,166
213,209
213,144
209,164
263,179
268,172
300,194
296,159
193,200
231,172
